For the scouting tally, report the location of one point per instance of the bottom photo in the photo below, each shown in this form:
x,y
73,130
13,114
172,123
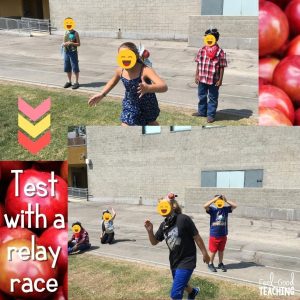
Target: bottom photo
x,y
184,212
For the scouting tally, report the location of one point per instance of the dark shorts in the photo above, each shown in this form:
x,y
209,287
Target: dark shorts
x,y
217,243
71,62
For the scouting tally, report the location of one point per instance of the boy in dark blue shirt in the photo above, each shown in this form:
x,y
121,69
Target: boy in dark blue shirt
x,y
218,228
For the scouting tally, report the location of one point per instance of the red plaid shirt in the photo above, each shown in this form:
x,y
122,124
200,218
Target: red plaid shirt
x,y
209,69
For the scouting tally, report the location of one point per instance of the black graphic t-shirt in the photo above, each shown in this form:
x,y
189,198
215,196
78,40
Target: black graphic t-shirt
x,y
179,238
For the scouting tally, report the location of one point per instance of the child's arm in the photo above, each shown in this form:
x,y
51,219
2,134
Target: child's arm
x,y
201,245
77,44
149,227
158,85
108,87
197,74
220,81
210,202
231,203
113,214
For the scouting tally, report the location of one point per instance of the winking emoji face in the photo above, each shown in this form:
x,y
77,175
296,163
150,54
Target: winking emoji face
x,y
164,207
126,58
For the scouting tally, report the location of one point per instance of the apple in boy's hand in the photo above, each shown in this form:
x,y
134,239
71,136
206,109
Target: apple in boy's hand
x,y
146,54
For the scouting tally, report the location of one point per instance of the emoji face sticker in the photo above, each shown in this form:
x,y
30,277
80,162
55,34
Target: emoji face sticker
x,y
107,216
219,203
76,228
69,24
164,208
126,59
209,40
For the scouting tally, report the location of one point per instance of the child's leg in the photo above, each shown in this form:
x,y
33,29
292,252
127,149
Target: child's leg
x,y
221,256
104,238
213,96
110,238
125,125
181,278
212,257
202,95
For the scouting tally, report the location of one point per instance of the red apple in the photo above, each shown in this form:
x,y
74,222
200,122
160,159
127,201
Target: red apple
x,y
146,54
294,47
273,28
281,3
48,205
65,285
273,97
266,68
8,234
287,77
57,237
59,295
7,166
297,117
2,212
273,117
292,12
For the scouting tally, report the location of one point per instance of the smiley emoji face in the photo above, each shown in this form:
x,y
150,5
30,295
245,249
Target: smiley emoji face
x,y
76,228
69,24
126,58
209,40
219,203
164,207
107,216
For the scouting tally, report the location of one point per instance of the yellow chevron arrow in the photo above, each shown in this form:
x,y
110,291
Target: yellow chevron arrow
x,y
34,130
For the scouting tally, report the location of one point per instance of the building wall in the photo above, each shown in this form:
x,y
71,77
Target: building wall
x,y
134,168
9,8
167,19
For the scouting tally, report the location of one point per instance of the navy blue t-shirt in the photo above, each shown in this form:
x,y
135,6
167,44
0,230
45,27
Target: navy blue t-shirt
x,y
219,220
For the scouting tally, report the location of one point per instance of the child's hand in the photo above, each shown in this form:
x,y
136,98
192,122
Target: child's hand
x,y
206,258
219,83
148,225
143,88
197,80
95,99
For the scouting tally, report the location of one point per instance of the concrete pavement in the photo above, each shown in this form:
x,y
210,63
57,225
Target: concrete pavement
x,y
256,249
38,59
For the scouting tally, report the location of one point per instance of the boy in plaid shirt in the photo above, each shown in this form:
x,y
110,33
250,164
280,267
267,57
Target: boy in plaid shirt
x,y
211,61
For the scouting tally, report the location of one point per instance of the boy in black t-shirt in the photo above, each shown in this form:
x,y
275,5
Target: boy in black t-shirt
x,y
180,234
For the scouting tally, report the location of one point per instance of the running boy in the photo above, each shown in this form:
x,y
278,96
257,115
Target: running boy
x,y
108,233
180,234
218,228
211,61
70,44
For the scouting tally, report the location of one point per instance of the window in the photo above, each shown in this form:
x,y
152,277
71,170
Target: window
x,y
232,179
240,8
181,128
151,129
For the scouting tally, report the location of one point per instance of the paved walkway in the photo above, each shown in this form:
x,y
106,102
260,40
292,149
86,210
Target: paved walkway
x,y
255,248
38,59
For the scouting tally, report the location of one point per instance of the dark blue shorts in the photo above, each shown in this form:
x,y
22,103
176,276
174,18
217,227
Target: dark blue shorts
x,y
181,278
71,62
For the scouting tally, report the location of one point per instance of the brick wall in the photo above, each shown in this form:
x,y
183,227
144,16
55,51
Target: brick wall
x,y
165,19
127,165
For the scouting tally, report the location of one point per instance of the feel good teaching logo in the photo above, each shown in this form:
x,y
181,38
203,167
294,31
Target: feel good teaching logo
x,y
34,123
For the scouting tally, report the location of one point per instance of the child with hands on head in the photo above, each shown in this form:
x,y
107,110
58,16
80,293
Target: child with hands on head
x,y
181,235
140,106
218,212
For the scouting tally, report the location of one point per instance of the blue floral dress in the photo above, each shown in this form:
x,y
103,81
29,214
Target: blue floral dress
x,y
138,111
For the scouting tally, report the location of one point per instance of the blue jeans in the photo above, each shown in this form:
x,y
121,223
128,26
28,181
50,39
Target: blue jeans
x,y
208,92
71,62
181,278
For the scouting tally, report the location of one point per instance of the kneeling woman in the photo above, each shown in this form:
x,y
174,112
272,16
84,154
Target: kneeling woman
x,y
180,234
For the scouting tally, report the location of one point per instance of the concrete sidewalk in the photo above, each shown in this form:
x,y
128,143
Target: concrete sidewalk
x,y
38,59
255,249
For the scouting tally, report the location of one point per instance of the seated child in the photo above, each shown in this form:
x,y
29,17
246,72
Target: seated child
x,y
79,240
108,227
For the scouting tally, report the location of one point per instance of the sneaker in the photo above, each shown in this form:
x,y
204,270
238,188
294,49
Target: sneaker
x,y
222,267
75,86
212,267
67,85
194,293
210,120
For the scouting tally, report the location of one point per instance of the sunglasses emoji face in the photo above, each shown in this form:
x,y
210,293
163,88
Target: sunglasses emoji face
x,y
209,40
219,203
76,228
107,216
69,24
126,58
164,208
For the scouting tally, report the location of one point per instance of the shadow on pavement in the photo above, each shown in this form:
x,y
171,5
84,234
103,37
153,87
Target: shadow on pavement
x,y
233,114
243,265
123,240
93,84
